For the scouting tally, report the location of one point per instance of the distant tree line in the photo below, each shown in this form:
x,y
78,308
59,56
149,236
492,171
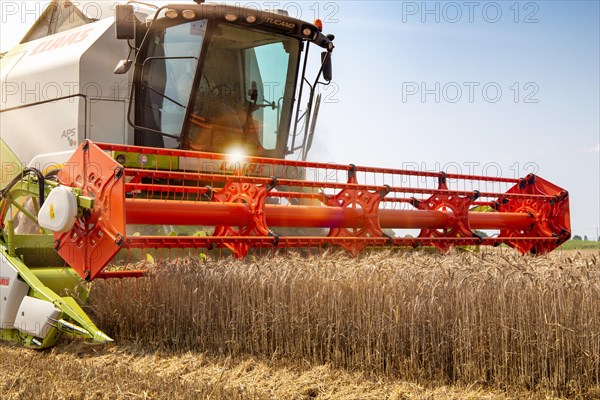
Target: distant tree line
x,y
578,237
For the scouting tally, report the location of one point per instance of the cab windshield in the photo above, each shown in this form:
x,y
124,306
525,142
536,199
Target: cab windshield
x,y
218,88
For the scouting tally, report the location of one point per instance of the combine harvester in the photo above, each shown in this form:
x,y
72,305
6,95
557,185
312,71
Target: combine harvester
x,y
169,128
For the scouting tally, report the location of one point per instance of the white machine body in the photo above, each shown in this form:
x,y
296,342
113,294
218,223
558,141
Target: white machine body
x,y
35,317
18,310
12,292
59,90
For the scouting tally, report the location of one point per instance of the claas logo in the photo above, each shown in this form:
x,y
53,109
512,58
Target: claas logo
x,y
4,281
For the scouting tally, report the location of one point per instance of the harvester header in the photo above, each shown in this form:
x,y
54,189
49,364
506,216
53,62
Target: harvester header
x,y
248,200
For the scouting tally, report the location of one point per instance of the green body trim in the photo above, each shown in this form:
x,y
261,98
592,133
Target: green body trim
x,y
40,267
34,240
11,335
10,237
11,166
41,282
24,210
132,160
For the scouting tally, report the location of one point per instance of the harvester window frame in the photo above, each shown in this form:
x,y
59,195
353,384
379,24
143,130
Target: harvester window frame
x,y
285,102
215,14
147,136
253,145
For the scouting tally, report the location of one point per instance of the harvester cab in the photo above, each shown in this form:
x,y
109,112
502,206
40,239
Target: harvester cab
x,y
220,78
182,116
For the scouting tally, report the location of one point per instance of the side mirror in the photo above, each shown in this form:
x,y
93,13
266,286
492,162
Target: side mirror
x,y
123,67
125,21
327,66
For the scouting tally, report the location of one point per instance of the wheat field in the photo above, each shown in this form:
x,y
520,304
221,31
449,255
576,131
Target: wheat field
x,y
493,319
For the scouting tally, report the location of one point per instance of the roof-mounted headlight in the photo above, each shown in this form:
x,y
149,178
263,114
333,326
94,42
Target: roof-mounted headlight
x,y
171,14
189,14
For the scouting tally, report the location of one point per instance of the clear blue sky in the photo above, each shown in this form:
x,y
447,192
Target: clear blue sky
x,y
468,85
386,51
